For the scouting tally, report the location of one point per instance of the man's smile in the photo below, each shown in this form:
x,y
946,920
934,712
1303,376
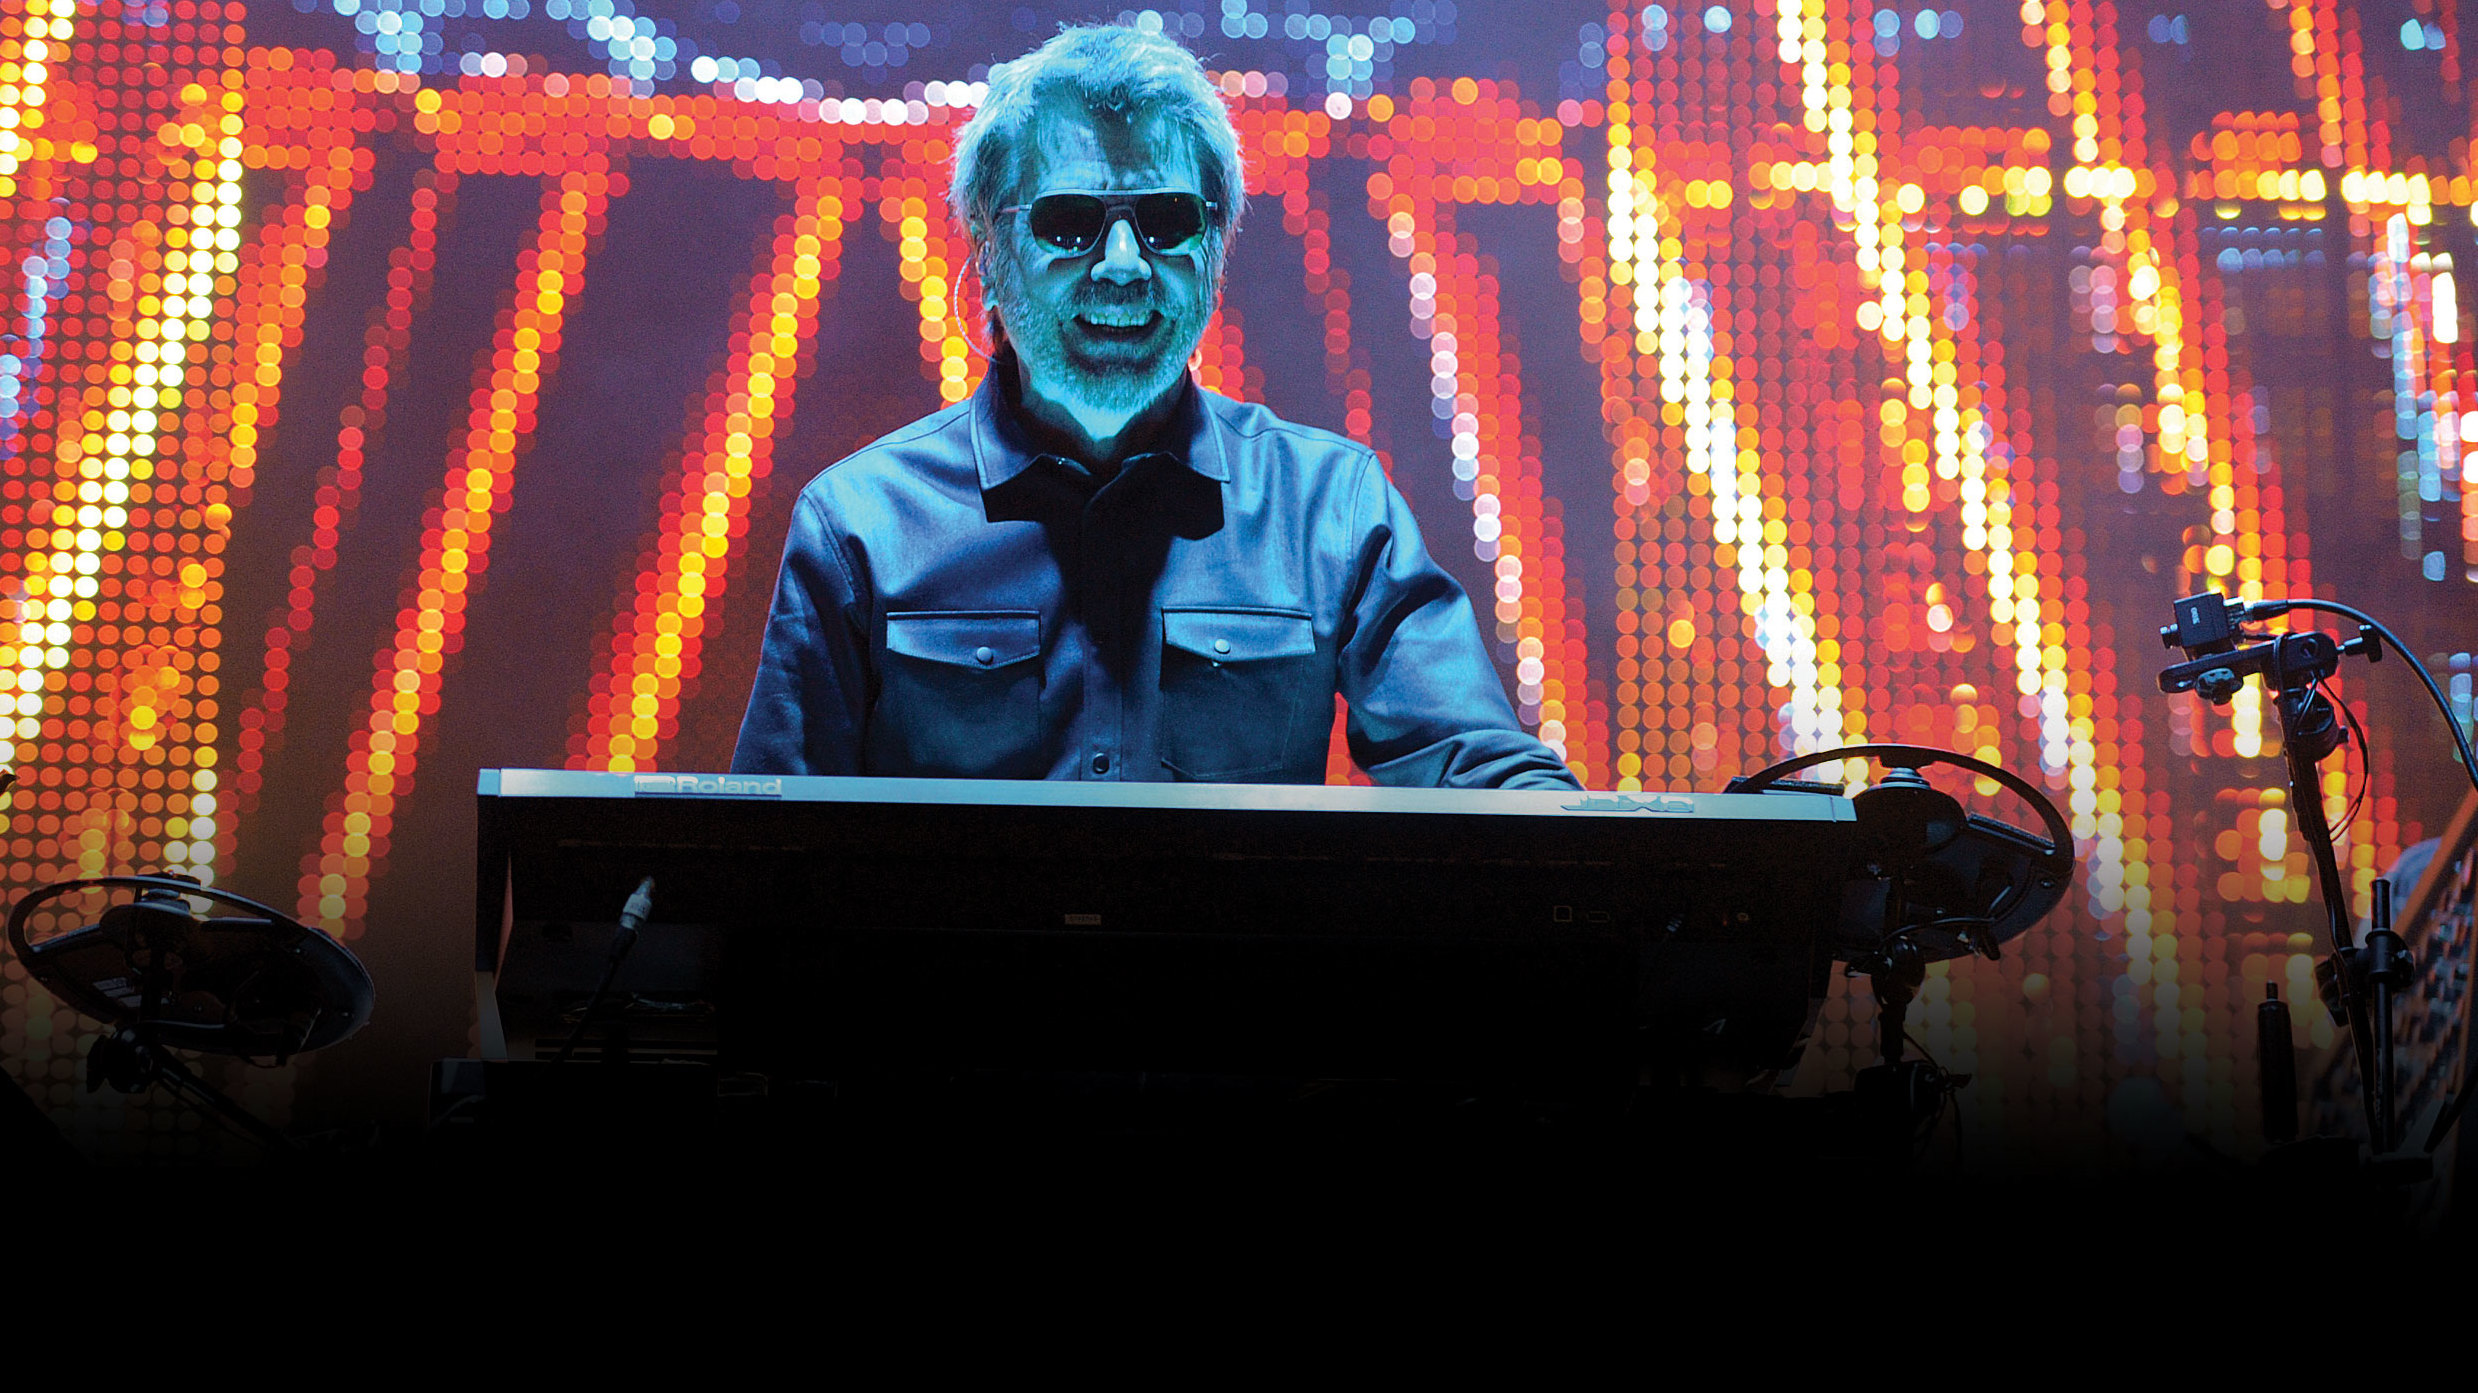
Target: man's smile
x,y
1118,321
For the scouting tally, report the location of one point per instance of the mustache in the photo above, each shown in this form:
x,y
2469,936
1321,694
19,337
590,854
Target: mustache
x,y
1140,300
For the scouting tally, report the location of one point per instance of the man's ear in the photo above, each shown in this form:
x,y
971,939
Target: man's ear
x,y
982,244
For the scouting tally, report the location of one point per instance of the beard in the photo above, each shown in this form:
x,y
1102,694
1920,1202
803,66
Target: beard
x,y
1110,348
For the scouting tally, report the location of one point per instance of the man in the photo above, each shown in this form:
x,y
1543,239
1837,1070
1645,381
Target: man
x,y
1094,569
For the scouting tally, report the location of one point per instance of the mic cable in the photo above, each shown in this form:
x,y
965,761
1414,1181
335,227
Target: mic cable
x,y
2266,609
632,918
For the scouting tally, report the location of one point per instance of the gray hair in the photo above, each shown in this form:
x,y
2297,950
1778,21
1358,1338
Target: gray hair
x,y
1115,73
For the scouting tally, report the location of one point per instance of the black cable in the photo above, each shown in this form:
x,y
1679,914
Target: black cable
x,y
2355,731
632,917
2469,765
2264,609
2366,759
469,1103
1946,1101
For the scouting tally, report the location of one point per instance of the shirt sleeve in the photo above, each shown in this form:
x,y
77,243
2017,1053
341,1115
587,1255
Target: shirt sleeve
x,y
808,707
1426,706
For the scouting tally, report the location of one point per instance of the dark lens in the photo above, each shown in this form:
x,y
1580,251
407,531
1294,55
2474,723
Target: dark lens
x,y
1170,221
1071,222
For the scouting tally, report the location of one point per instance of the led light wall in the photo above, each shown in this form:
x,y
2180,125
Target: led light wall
x,y
1775,376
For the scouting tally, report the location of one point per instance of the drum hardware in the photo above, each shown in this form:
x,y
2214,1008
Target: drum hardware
x,y
252,985
1933,883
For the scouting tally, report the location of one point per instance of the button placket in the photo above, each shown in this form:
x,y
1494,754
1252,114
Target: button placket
x,y
1102,718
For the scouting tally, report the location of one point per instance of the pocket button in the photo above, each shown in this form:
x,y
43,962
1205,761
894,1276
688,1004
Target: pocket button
x,y
1221,645
984,656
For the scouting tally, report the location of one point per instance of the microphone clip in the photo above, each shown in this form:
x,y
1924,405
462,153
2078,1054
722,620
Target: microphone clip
x,y
2222,649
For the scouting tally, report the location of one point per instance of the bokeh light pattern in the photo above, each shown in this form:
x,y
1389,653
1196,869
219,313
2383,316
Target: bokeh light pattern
x,y
1870,387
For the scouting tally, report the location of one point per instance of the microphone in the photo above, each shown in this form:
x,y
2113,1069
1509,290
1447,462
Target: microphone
x,y
2275,1059
632,918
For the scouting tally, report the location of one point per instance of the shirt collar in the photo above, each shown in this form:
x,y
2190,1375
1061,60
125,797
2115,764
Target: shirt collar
x,y
1003,448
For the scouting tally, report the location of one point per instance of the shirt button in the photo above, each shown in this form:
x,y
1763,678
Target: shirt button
x,y
984,656
1101,764
1221,645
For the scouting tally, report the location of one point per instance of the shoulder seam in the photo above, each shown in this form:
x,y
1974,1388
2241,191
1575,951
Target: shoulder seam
x,y
1272,424
902,435
834,539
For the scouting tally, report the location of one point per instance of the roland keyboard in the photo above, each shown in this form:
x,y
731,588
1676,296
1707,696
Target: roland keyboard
x,y
833,927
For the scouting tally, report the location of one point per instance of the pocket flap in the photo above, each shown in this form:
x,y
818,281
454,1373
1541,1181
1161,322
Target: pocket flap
x,y
966,638
1239,635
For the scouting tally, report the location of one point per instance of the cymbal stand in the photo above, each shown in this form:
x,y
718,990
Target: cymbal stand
x,y
1898,1094
131,1060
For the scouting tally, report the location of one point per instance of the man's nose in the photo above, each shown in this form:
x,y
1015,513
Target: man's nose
x,y
1122,256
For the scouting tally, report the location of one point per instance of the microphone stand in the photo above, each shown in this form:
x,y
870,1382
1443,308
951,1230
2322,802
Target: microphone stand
x,y
2210,630
2309,733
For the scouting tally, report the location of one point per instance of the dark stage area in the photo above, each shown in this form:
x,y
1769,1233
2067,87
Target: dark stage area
x,y
406,408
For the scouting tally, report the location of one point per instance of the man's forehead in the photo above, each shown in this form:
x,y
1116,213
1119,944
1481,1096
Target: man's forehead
x,y
1071,150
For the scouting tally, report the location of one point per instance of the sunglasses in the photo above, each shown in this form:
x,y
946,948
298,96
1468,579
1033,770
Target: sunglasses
x,y
1074,223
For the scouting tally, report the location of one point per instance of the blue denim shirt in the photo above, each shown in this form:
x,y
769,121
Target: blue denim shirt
x,y
957,601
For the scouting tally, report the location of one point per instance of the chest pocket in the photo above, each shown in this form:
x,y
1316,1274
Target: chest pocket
x,y
1234,685
959,694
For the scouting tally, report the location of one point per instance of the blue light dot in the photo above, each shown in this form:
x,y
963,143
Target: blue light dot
x,y
1925,24
1716,19
2413,35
